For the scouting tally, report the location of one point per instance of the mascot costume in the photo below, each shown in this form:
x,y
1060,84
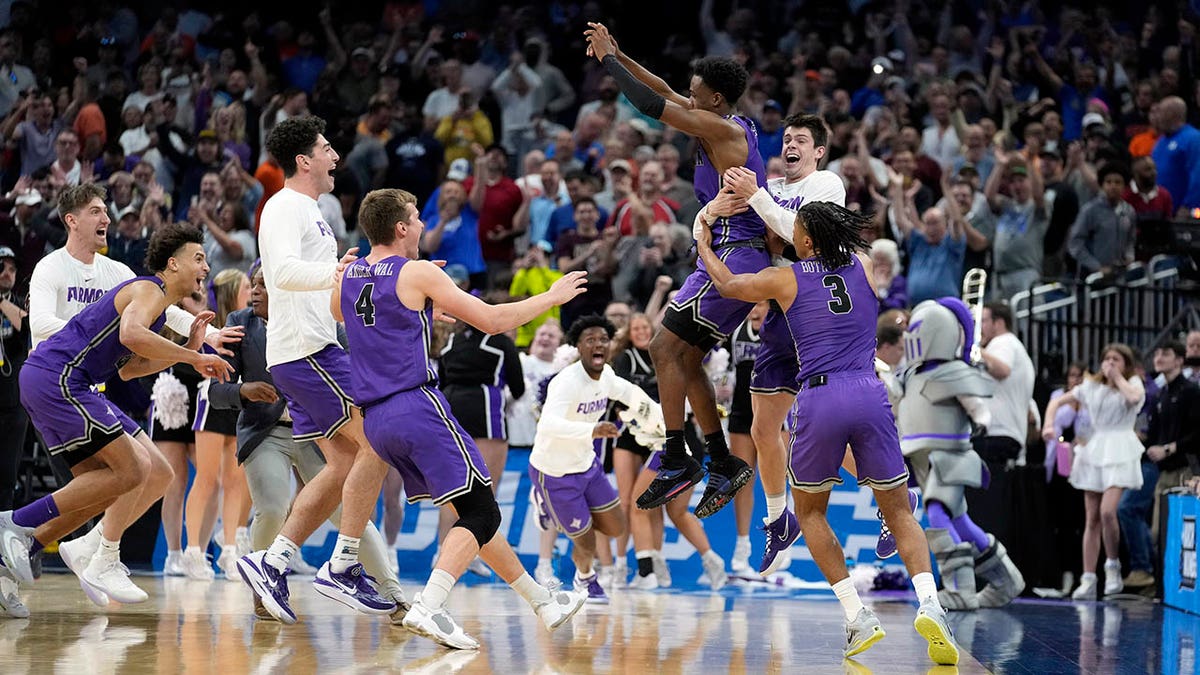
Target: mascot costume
x,y
941,406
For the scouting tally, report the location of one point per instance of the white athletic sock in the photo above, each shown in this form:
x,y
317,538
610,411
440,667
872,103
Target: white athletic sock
x,y
582,573
742,545
925,586
345,554
544,561
1112,563
711,556
533,592
1087,576
281,553
775,506
847,594
109,549
437,589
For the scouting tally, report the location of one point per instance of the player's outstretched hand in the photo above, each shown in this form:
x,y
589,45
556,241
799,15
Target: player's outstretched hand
x,y
199,324
600,41
568,286
211,365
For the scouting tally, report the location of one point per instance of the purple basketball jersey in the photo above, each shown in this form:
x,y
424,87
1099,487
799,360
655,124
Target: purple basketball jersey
x,y
377,324
707,182
832,319
89,346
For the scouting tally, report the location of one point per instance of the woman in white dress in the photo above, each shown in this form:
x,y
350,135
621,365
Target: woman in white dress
x,y
1108,463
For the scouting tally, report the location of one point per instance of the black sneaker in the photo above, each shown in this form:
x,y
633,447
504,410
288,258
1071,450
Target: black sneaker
x,y
670,483
725,477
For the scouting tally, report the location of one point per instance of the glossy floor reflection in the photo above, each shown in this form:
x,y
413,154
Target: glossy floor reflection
x,y
197,627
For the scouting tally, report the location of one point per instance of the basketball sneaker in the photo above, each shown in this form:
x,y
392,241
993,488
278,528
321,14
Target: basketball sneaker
x,y
227,563
931,624
267,583
714,569
173,566
781,534
644,583
14,548
353,588
437,625
479,568
739,564
661,569
106,574
670,482
591,588
561,607
862,632
196,565
886,546
10,601
76,555
725,477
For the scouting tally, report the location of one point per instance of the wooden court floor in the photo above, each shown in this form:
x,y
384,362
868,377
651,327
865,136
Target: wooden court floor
x,y
198,627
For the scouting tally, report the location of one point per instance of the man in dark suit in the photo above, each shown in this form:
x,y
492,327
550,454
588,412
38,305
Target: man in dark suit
x,y
267,452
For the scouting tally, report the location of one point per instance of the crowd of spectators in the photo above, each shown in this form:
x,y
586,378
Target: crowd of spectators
x,y
1032,139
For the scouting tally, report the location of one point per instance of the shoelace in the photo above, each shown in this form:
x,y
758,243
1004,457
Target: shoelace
x,y
884,530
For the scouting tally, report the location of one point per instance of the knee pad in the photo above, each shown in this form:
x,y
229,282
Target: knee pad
x,y
478,513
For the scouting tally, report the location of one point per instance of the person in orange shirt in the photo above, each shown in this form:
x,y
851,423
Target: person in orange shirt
x,y
1141,145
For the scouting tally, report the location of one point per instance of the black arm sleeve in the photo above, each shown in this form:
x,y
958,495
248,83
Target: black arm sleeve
x,y
645,99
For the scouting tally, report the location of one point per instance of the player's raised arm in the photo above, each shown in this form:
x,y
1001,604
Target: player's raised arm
x,y
426,278
649,94
772,283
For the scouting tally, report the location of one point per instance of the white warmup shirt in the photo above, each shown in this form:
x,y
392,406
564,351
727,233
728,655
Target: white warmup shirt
x,y
299,258
1010,402
574,404
62,286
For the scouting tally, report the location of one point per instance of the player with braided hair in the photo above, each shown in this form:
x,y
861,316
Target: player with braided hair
x,y
830,309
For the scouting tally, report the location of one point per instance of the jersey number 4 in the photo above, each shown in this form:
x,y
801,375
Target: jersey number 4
x,y
363,307
839,302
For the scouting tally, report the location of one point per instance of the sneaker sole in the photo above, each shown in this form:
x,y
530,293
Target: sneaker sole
x,y
97,588
597,601
334,592
263,594
691,482
942,650
721,499
875,636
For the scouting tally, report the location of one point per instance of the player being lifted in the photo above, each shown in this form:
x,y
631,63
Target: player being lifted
x,y
698,318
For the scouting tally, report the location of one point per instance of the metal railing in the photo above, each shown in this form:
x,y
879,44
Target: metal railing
x,y
1064,321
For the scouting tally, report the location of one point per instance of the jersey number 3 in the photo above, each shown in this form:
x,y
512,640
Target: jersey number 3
x,y
363,307
839,302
